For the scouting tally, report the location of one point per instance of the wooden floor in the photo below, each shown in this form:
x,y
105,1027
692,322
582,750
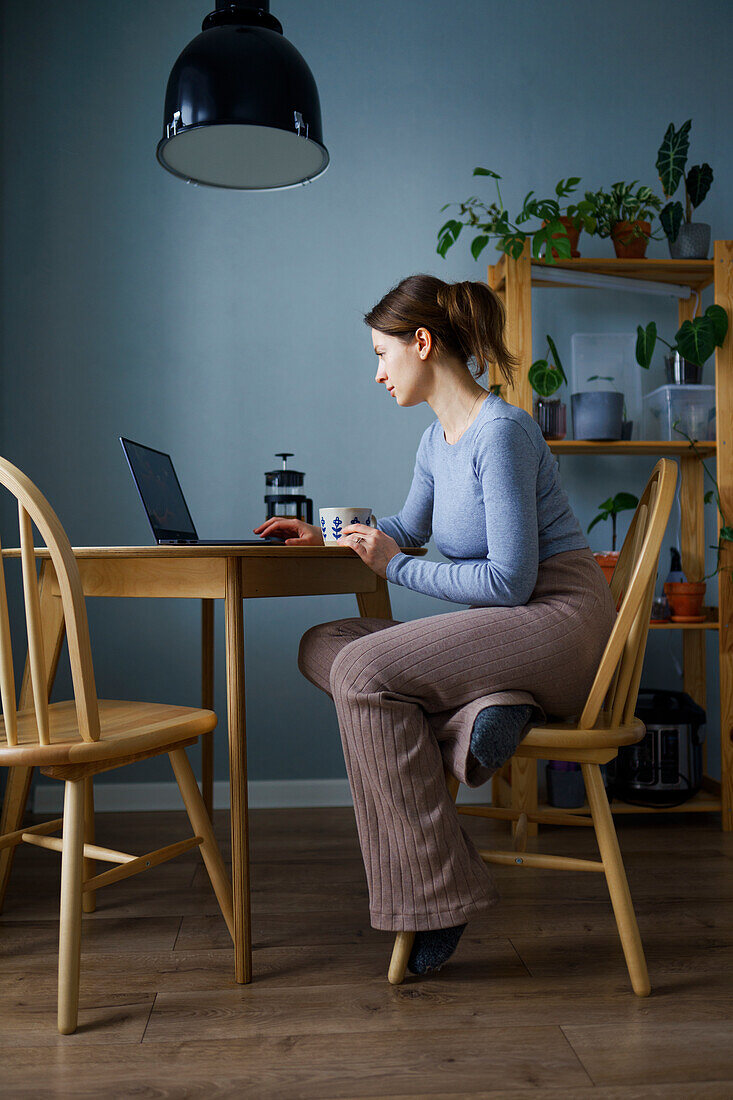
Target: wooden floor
x,y
536,1001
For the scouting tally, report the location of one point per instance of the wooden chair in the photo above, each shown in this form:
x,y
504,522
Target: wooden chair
x,y
606,723
74,740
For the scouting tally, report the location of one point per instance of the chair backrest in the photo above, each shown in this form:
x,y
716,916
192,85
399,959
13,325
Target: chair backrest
x,y
33,508
612,697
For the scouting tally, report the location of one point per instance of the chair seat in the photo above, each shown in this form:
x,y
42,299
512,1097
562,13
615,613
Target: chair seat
x,y
126,728
564,735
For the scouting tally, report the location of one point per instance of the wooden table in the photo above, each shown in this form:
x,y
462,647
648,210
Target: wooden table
x,y
208,573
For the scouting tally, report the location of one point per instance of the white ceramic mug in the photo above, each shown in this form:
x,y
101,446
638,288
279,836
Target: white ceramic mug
x,y
333,521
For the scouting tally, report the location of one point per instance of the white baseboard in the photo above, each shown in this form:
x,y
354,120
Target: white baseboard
x,y
263,794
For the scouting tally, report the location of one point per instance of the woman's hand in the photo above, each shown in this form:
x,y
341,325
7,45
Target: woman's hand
x,y
373,547
295,531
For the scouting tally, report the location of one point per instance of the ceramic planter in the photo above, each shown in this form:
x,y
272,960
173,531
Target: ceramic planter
x,y
685,599
551,415
681,372
597,415
627,245
607,559
693,242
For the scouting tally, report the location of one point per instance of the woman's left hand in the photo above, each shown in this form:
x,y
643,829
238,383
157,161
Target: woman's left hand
x,y
372,545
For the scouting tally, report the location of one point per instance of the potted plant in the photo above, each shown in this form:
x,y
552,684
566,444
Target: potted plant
x,y
493,222
688,240
609,509
622,216
685,597
545,379
694,343
598,414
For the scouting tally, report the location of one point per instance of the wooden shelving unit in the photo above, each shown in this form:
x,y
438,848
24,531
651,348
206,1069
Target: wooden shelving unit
x,y
513,280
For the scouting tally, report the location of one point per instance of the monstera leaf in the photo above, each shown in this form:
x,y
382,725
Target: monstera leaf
x,y
696,342
698,182
672,156
645,342
698,339
671,219
544,379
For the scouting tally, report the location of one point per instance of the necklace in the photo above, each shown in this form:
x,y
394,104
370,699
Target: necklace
x,y
465,422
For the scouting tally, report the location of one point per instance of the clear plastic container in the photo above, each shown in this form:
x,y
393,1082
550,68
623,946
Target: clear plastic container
x,y
692,406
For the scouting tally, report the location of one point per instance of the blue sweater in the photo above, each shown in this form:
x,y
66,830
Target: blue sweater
x,y
494,503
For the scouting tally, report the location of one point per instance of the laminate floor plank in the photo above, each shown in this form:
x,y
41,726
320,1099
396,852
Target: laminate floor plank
x,y
326,1066
536,1001
653,1053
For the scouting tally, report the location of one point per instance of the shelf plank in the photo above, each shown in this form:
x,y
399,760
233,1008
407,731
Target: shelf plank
x,y
711,623
652,447
696,274
701,803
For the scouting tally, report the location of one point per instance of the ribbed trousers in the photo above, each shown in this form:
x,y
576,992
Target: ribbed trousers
x,y
407,695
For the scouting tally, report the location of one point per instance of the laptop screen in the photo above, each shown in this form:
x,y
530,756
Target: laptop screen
x,y
160,491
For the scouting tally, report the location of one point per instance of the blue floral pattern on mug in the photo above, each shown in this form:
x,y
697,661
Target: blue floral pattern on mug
x,y
355,519
323,528
336,528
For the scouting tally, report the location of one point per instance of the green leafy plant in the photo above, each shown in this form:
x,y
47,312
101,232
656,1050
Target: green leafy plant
x,y
611,508
726,529
622,205
545,378
671,163
493,221
695,340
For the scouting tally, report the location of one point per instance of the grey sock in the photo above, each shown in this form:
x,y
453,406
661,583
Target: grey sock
x,y
497,732
433,948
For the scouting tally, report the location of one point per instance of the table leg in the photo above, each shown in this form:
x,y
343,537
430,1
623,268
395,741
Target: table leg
x,y
375,605
19,779
234,616
207,702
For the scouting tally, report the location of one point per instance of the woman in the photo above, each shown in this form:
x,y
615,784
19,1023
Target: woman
x,y
455,690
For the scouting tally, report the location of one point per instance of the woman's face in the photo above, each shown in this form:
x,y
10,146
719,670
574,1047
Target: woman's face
x,y
401,366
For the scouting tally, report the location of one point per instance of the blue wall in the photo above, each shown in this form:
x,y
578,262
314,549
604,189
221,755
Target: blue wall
x,y
223,327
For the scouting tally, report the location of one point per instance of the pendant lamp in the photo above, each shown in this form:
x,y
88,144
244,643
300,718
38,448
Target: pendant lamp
x,y
242,108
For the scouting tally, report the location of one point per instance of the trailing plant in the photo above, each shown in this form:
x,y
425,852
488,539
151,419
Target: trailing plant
x,y
671,162
493,221
610,509
545,378
726,530
622,205
695,340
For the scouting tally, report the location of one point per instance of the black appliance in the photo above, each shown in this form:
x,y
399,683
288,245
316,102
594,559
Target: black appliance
x,y
665,767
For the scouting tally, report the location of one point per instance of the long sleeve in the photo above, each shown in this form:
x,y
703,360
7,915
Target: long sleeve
x,y
412,526
506,463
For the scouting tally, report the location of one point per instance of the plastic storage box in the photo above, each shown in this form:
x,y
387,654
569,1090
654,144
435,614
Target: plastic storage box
x,y
692,406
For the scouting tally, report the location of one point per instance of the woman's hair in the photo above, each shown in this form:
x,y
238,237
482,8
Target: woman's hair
x,y
466,320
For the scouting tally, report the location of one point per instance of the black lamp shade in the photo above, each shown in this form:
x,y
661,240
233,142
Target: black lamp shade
x,y
242,108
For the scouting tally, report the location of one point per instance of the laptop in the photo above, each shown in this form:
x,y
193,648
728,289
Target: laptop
x,y
165,504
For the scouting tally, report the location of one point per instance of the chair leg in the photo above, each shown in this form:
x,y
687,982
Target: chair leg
x,y
618,886
201,824
400,954
404,940
89,897
70,922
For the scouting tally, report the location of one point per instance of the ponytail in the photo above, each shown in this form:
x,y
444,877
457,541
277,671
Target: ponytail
x,y
466,320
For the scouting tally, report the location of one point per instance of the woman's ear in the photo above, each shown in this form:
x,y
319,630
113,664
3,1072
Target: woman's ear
x,y
424,342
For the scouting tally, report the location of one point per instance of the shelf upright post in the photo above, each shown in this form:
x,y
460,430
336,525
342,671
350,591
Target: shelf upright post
x,y
692,543
723,283
518,305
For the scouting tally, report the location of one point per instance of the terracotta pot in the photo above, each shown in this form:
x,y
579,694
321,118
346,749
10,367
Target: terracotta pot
x,y
607,560
629,247
572,234
685,599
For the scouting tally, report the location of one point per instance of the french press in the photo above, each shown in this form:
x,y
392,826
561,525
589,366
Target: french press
x,y
280,498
